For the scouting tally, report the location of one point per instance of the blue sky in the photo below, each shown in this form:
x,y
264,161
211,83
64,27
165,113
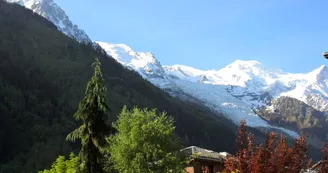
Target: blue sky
x,y
209,34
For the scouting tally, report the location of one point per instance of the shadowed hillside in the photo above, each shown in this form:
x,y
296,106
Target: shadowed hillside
x,y
43,74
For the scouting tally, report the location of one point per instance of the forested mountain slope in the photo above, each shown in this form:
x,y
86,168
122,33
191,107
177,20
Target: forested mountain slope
x,y
43,74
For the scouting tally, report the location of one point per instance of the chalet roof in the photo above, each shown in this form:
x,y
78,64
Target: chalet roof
x,y
317,165
201,153
315,168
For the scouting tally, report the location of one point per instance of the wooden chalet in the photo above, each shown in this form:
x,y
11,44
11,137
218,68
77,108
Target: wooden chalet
x,y
205,161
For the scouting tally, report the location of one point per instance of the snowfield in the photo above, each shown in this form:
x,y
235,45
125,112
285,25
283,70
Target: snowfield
x,y
235,90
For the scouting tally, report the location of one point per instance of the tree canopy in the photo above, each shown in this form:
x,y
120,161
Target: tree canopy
x,y
43,74
145,143
61,165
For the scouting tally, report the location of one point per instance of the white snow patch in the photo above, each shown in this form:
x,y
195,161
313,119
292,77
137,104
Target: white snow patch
x,y
246,76
209,86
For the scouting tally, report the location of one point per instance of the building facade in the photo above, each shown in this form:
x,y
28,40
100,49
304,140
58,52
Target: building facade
x,y
204,161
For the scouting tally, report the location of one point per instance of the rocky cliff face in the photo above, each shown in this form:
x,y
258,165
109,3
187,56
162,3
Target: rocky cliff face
x,y
51,11
296,115
266,98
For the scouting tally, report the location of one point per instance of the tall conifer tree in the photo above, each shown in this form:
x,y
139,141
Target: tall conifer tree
x,y
94,129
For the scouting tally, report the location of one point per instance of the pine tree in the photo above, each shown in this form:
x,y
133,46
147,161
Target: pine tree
x,y
94,129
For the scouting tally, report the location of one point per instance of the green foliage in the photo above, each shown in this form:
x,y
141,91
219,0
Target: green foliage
x,y
64,166
43,74
145,143
94,129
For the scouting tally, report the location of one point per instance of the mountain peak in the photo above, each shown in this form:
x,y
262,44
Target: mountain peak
x,y
244,67
246,63
320,73
125,54
26,3
119,46
51,11
323,68
144,62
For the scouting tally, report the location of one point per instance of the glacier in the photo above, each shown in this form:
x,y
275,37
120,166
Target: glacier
x,y
239,77
229,90
236,90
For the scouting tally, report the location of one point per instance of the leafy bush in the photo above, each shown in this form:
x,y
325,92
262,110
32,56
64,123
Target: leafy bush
x,y
64,166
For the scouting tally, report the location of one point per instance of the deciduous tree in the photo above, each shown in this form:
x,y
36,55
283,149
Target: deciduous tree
x,y
145,143
324,167
64,166
271,156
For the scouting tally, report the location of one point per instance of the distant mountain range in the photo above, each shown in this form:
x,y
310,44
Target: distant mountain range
x,y
242,90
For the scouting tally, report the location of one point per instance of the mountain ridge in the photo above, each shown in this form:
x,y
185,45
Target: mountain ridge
x,y
235,97
254,86
51,11
245,85
248,69
43,75
243,73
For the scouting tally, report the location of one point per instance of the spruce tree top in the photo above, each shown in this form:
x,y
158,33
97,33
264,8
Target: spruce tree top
x,y
95,93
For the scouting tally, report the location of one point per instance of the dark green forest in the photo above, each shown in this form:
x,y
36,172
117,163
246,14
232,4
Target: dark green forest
x,y
43,75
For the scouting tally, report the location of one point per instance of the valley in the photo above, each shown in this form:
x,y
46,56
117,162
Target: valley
x,y
208,105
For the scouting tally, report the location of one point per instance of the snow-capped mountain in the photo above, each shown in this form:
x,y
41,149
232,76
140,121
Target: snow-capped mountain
x,y
238,90
144,62
248,81
51,11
